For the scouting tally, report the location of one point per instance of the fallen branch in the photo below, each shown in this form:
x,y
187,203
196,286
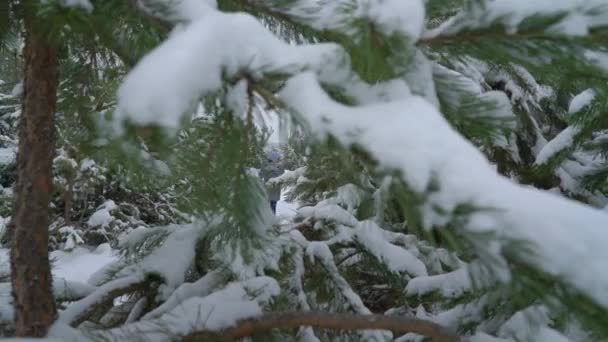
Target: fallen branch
x,y
80,311
332,321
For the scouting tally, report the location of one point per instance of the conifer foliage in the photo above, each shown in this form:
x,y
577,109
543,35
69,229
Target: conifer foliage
x,y
448,159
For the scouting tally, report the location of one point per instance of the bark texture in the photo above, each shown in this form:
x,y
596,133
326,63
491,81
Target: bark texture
x,y
31,279
325,320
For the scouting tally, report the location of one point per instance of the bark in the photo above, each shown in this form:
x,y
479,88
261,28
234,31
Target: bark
x,y
323,320
31,279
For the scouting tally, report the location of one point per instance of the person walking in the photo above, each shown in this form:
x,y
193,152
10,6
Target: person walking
x,y
271,170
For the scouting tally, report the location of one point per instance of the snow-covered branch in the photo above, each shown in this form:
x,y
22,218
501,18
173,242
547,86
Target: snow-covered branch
x,y
333,321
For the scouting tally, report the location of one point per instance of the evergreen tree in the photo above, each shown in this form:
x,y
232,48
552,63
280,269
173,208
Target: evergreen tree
x,y
448,157
35,304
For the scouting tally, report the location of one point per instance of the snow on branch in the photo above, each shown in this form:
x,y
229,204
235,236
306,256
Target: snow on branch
x,y
404,17
79,311
83,4
288,177
397,259
228,314
68,290
217,311
564,140
452,284
64,291
200,288
403,132
414,138
223,318
164,261
578,17
232,44
324,211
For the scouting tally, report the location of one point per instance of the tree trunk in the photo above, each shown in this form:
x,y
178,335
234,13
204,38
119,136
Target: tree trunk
x,y
31,279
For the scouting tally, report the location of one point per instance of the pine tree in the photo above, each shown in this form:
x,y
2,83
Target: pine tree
x,y
404,114
34,304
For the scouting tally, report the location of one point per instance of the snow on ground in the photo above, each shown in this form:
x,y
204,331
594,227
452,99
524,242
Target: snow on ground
x,y
4,262
80,263
7,155
286,210
76,265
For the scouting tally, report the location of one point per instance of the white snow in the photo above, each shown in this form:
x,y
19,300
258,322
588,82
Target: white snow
x,y
64,290
102,217
483,337
288,176
72,237
70,270
581,101
247,260
7,155
86,164
331,212
409,135
263,289
396,258
84,4
70,290
546,334
562,141
449,285
171,260
74,310
237,99
600,59
137,235
80,263
137,310
189,10
317,250
17,90
582,15
285,209
350,196
6,298
5,266
200,288
320,250
231,43
404,17
531,324
219,310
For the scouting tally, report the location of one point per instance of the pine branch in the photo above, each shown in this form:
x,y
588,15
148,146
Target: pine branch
x,y
493,35
332,321
81,310
258,7
161,24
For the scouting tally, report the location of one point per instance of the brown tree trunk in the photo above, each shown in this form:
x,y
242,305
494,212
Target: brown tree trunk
x,y
31,279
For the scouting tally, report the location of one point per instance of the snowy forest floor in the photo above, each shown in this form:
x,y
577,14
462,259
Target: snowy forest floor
x,y
80,263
